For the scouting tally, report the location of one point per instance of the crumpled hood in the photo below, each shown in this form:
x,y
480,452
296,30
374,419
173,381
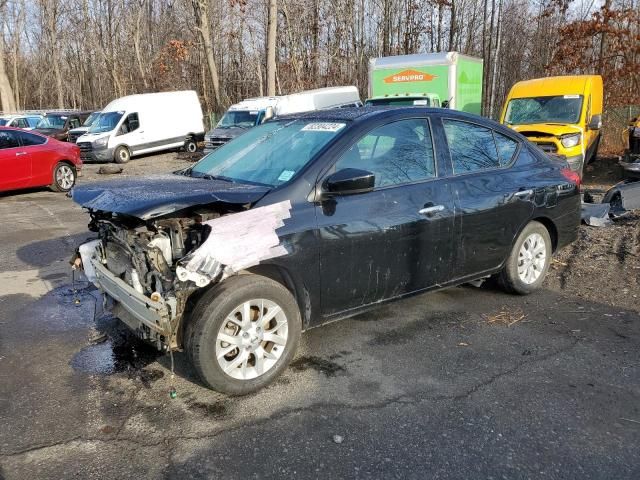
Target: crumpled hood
x,y
545,129
158,195
232,132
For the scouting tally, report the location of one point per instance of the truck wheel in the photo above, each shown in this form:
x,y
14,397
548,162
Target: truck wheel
x,y
243,333
529,260
190,145
122,154
64,177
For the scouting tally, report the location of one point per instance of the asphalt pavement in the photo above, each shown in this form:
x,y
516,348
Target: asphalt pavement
x,y
465,383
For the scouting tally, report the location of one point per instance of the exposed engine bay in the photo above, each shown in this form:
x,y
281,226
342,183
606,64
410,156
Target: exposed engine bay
x,y
149,268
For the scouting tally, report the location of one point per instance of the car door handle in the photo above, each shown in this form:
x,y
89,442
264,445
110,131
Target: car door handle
x,y
431,210
18,154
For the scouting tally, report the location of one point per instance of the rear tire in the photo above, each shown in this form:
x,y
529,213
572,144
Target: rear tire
x,y
122,154
64,177
528,261
243,333
190,145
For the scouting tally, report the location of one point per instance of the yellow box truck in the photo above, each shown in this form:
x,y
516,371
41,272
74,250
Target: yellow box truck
x,y
562,115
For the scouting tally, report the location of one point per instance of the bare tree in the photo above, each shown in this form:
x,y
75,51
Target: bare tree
x,y
7,99
272,32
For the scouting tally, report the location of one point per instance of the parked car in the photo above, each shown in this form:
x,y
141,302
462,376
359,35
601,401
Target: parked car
x,y
630,160
26,122
562,115
28,159
316,217
255,111
76,133
138,124
58,124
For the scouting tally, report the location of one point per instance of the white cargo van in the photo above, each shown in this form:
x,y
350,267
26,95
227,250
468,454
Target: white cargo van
x,y
144,123
254,111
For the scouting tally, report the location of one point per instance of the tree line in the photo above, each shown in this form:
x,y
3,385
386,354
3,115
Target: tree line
x,y
84,53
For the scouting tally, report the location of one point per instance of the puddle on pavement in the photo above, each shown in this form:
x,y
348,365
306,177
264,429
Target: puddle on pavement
x,y
122,353
318,364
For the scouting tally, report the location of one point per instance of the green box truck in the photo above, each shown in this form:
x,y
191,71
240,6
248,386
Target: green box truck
x,y
432,79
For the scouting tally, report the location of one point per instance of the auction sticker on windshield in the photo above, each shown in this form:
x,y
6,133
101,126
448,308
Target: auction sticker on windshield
x,y
286,175
323,127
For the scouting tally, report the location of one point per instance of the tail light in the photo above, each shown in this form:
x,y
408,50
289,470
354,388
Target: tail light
x,y
571,176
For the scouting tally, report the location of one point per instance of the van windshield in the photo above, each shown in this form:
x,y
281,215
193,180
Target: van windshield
x,y
270,154
238,118
89,121
557,109
106,122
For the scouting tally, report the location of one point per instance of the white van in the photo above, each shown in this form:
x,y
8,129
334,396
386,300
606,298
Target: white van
x,y
145,123
254,111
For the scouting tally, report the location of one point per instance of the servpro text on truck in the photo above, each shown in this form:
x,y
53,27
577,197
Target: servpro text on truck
x,y
431,79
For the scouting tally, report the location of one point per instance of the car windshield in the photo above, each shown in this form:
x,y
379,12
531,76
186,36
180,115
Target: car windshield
x,y
90,119
53,121
270,154
106,122
238,118
557,109
33,121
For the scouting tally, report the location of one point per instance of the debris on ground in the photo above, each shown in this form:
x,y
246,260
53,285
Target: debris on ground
x,y
603,264
110,169
596,214
338,439
506,317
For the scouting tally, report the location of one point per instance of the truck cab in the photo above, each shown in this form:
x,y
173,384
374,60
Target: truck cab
x,y
238,119
562,115
255,111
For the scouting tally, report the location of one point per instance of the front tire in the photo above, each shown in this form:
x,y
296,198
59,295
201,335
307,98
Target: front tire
x,y
122,154
64,177
243,333
528,261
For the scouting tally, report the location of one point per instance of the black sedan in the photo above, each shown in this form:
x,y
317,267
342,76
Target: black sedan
x,y
315,217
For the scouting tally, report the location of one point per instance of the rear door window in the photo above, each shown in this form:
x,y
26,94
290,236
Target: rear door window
x,y
472,147
396,153
506,148
29,139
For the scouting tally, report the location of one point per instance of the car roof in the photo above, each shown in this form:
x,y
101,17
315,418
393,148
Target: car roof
x,y
359,114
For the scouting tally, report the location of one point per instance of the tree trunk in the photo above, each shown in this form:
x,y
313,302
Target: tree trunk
x,y
201,11
7,100
272,32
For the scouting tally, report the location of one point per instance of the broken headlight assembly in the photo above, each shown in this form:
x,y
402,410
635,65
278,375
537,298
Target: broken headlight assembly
x,y
570,140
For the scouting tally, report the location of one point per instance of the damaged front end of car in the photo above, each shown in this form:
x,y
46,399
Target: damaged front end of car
x,y
148,268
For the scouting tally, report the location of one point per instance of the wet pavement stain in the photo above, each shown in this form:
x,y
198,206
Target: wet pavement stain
x,y
124,353
214,410
318,364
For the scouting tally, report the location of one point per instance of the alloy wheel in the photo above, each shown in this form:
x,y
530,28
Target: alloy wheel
x,y
252,339
532,258
65,177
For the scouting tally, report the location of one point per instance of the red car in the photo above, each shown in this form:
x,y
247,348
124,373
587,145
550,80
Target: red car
x,y
29,159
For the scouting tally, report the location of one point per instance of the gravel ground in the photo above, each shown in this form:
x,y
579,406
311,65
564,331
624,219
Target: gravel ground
x,y
604,264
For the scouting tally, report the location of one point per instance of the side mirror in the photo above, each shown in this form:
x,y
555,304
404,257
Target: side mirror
x,y
445,104
595,123
268,114
349,181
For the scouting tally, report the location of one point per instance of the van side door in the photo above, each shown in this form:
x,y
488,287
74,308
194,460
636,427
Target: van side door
x,y
131,134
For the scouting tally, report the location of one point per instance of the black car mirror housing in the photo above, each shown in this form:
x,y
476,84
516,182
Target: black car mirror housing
x,y
595,123
348,181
